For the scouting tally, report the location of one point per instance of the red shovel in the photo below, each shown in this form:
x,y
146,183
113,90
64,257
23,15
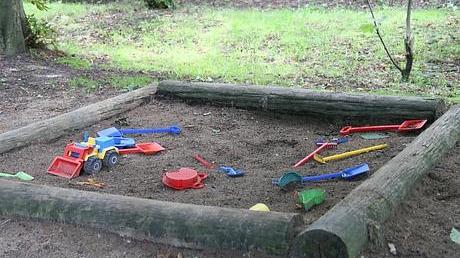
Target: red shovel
x,y
408,125
145,148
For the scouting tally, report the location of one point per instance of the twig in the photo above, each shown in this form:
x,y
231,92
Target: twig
x,y
4,222
381,39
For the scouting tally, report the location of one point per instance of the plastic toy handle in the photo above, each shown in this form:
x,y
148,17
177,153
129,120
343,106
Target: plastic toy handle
x,y
349,129
321,177
310,156
172,130
337,141
202,176
203,162
354,152
199,184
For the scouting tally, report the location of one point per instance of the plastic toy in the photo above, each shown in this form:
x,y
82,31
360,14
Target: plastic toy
x,y
259,207
348,174
348,154
455,235
184,178
90,156
114,132
144,148
128,145
203,162
312,197
408,125
374,136
336,140
91,182
326,145
19,175
231,172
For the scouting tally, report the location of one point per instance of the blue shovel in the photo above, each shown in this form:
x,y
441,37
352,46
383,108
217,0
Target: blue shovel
x,y
348,174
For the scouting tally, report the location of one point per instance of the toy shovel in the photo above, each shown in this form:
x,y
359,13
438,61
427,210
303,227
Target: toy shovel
x,y
19,175
348,173
294,177
408,125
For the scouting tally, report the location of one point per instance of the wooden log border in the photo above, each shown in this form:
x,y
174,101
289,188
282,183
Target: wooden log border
x,y
176,224
60,125
307,102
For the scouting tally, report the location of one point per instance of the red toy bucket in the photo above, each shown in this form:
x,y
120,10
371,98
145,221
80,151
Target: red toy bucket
x,y
184,178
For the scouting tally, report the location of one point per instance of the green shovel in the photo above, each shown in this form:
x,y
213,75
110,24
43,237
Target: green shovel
x,y
19,175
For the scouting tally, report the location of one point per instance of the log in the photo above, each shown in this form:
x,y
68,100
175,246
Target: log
x,y
345,229
86,116
307,102
177,224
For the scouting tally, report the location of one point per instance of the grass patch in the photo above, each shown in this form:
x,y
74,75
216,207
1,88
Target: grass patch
x,y
308,47
74,62
84,82
128,82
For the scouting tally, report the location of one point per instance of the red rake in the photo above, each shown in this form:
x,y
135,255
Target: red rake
x,y
203,162
326,145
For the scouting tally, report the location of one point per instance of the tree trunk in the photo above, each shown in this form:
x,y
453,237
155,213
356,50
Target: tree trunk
x,y
408,44
11,28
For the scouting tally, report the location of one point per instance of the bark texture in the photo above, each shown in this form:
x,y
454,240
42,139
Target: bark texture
x,y
11,31
307,102
345,229
182,225
60,125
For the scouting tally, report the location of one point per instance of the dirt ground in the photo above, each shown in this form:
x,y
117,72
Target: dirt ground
x,y
263,145
35,89
32,90
422,224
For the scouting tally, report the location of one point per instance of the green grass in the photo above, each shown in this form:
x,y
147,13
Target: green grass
x,y
84,82
118,82
75,63
309,47
128,82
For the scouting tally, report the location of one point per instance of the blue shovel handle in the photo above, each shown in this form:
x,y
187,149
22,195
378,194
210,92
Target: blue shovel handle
x,y
172,130
321,177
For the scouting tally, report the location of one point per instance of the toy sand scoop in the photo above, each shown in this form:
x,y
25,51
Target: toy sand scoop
x,y
19,175
348,174
408,125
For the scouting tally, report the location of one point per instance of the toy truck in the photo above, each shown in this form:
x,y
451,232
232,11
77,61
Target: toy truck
x,y
94,153
90,156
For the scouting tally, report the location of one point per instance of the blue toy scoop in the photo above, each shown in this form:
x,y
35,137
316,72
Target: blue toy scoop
x,y
231,172
294,177
348,173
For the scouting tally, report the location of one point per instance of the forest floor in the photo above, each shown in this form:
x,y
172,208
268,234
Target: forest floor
x,y
37,87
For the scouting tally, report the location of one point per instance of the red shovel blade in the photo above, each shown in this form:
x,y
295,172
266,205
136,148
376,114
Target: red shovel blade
x,y
145,148
408,125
